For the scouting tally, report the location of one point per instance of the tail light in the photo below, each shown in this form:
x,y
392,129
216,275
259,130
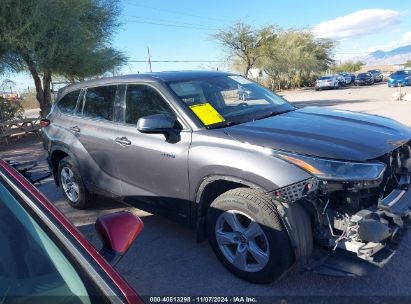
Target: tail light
x,y
44,123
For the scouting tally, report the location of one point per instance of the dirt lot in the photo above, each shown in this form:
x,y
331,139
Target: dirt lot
x,y
29,101
166,260
376,99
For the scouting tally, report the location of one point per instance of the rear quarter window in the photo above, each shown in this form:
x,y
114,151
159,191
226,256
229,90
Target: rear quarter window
x,y
67,104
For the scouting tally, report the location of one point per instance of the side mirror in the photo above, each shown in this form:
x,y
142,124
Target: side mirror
x,y
117,232
159,123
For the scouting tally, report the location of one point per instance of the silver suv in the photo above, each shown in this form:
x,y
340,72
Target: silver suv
x,y
268,184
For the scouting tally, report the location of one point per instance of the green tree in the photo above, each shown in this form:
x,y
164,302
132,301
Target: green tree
x,y
296,56
408,64
348,66
245,43
69,38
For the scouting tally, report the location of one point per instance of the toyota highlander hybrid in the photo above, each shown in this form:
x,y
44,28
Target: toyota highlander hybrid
x,y
268,184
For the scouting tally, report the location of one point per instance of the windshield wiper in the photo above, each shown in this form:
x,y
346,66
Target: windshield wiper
x,y
223,124
273,113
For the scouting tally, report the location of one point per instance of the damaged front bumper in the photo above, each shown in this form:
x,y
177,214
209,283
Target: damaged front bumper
x,y
371,240
356,230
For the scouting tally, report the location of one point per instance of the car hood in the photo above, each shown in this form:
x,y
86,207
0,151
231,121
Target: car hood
x,y
325,133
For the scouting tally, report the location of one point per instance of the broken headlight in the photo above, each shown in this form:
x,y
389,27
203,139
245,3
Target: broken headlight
x,y
327,169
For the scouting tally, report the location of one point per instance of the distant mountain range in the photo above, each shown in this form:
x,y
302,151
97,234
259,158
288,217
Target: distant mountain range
x,y
396,56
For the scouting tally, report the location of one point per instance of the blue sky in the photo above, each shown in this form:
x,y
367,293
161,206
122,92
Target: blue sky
x,y
181,29
375,25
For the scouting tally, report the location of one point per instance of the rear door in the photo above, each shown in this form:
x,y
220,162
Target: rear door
x,y
62,116
58,131
96,129
153,170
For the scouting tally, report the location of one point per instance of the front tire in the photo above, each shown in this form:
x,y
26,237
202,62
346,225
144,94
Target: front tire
x,y
248,237
72,185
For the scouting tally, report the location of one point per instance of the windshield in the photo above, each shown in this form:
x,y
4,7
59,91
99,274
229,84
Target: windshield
x,y
226,100
398,73
324,78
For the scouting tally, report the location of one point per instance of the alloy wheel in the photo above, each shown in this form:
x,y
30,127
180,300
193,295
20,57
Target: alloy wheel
x,y
69,184
242,241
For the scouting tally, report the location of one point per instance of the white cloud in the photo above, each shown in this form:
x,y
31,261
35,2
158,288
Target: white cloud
x,y
355,46
359,23
406,40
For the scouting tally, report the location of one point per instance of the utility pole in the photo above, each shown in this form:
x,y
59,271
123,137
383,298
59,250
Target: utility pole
x,y
149,58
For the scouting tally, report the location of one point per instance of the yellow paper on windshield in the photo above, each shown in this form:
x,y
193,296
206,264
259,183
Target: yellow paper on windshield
x,y
207,114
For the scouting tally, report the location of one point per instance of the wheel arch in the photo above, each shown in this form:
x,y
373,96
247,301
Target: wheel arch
x,y
294,217
207,191
58,152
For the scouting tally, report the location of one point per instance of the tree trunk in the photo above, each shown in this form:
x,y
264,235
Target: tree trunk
x,y
43,92
247,68
46,94
246,71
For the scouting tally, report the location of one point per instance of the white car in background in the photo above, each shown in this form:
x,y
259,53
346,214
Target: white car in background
x,y
327,82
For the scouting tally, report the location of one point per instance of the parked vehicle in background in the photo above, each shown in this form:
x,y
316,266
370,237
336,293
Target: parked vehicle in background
x,y
353,78
341,80
327,82
386,75
349,79
377,75
43,256
268,184
364,79
399,78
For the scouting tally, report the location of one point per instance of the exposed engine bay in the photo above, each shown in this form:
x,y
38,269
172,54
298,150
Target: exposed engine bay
x,y
364,218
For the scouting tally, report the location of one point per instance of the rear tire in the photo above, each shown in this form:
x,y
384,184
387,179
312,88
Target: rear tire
x,y
72,185
247,235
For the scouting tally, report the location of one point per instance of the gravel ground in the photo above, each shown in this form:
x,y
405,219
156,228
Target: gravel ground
x,y
166,260
376,99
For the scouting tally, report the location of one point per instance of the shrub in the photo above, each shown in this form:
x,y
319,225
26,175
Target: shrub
x,y
10,110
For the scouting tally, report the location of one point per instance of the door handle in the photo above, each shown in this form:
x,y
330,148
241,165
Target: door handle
x,y
75,129
123,141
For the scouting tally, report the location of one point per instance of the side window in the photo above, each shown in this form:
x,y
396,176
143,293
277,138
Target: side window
x,y
68,103
143,100
99,102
